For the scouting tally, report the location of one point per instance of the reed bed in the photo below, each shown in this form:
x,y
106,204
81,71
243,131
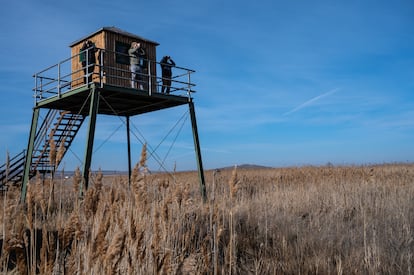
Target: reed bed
x,y
303,220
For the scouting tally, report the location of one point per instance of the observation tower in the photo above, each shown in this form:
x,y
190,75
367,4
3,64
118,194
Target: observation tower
x,y
91,82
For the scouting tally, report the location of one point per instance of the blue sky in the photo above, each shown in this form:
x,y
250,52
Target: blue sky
x,y
279,83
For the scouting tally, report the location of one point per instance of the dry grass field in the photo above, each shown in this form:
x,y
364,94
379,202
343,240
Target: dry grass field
x,y
305,220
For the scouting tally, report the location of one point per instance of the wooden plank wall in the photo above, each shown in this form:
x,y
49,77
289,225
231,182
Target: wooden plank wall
x,y
114,73
77,72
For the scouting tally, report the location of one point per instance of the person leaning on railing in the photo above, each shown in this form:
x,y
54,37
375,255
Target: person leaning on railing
x,y
136,58
166,64
88,60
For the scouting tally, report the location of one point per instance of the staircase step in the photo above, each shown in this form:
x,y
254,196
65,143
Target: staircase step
x,y
62,131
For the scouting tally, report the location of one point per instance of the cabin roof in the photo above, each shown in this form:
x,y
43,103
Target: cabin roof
x,y
114,30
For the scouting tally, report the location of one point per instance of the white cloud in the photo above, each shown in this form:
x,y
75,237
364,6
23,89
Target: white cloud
x,y
311,101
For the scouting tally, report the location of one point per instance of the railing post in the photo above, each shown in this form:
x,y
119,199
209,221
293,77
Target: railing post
x,y
58,80
189,85
101,61
149,78
41,87
86,70
35,95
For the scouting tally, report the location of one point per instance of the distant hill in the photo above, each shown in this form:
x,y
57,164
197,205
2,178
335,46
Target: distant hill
x,y
245,166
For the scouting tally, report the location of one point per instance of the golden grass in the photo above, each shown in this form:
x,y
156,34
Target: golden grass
x,y
317,220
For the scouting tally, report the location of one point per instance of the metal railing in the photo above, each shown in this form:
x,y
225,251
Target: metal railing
x,y
13,169
62,77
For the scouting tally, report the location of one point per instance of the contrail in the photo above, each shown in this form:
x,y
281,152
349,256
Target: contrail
x,y
310,101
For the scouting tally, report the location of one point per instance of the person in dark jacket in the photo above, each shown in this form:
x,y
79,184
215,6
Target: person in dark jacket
x,y
166,65
88,59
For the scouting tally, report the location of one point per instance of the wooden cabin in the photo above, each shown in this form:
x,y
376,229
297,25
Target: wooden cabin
x,y
113,66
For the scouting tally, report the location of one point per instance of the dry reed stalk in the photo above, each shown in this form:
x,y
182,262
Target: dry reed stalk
x,y
189,265
155,244
131,237
61,152
77,180
39,188
233,187
207,259
233,183
17,216
13,244
139,189
31,224
23,263
58,225
217,234
132,224
43,265
51,200
90,203
98,181
161,256
100,244
52,153
135,174
138,242
120,216
166,205
178,194
4,235
187,199
72,231
213,222
138,179
70,265
7,165
115,252
165,264
143,158
43,208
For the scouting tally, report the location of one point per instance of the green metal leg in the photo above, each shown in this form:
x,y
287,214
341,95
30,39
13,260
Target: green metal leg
x,y
93,110
29,154
129,151
198,152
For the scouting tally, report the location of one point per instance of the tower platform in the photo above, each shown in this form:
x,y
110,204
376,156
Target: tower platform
x,y
114,100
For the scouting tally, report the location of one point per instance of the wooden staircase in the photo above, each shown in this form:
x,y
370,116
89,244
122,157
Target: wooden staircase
x,y
53,138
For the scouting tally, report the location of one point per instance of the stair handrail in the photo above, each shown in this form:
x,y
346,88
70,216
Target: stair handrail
x,y
66,132
14,163
44,127
3,166
41,138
